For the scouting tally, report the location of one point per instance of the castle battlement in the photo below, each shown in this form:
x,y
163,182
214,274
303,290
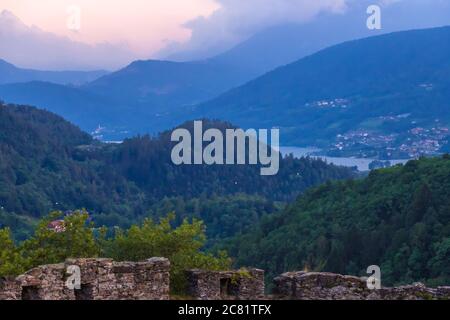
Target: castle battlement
x,y
105,279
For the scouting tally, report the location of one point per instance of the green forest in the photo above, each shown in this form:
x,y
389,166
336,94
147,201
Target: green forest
x,y
48,164
80,238
312,215
397,218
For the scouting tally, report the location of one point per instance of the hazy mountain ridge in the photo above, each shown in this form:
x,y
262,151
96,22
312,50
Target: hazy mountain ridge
x,y
384,96
352,87
9,73
166,85
77,105
162,92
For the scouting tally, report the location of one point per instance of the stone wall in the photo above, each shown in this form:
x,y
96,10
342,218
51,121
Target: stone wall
x,y
243,284
45,283
330,286
105,279
10,289
101,279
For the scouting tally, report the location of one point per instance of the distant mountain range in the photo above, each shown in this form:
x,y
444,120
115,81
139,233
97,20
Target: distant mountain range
x,y
372,93
285,43
164,86
384,96
81,107
12,74
152,95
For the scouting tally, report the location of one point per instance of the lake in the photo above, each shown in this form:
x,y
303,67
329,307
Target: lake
x,y
361,163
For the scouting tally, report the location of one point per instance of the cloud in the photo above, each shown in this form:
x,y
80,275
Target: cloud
x,y
237,20
31,47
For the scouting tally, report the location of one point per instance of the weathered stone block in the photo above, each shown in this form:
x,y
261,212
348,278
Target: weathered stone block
x,y
10,289
101,279
328,286
216,285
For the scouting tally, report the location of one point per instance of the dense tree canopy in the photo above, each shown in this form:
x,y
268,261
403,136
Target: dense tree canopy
x,y
183,244
48,164
397,218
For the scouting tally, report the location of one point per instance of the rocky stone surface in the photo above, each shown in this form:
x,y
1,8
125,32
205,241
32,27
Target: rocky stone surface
x,y
10,289
245,284
100,279
330,286
105,279
45,283
147,280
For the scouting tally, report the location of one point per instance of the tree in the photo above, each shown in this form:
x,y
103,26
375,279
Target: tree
x,y
181,245
422,200
441,261
397,218
74,239
11,262
57,239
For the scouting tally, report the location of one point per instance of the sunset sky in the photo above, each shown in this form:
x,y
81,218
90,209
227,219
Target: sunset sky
x,y
146,25
113,33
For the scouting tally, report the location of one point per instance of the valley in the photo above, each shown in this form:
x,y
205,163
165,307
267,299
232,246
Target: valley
x,y
49,164
322,100
175,153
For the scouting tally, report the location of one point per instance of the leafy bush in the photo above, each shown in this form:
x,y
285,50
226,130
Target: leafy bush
x,y
77,238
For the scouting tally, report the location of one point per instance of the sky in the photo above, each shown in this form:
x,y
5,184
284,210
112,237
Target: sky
x,y
236,20
109,34
144,25
136,29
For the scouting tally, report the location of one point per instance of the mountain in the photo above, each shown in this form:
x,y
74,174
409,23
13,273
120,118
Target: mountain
x,y
396,218
384,96
12,74
284,43
76,105
108,116
49,164
164,86
170,85
157,92
391,89
40,170
151,96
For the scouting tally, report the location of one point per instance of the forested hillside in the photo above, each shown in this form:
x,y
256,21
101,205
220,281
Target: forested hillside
x,y
40,169
368,95
48,164
397,218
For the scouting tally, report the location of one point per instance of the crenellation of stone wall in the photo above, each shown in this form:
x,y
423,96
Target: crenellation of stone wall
x,y
101,279
10,289
105,279
218,285
98,280
251,285
45,283
443,292
329,286
147,280
203,285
